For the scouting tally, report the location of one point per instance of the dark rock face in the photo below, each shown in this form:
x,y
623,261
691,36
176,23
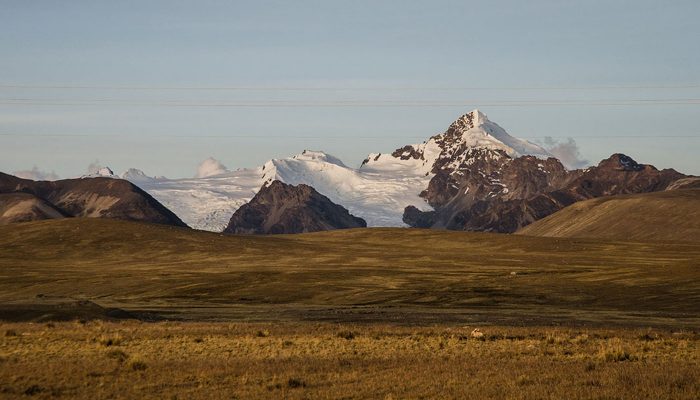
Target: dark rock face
x,y
88,197
282,208
417,218
489,191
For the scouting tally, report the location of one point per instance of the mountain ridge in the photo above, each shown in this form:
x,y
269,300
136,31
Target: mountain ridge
x,y
378,191
472,176
98,197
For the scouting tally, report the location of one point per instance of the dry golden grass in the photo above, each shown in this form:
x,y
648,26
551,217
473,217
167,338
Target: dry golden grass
x,y
668,216
413,298
319,360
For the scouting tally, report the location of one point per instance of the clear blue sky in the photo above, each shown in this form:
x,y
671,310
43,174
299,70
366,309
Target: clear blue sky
x,y
125,82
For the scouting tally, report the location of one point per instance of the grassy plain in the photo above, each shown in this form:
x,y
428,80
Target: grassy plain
x,y
370,313
188,360
372,275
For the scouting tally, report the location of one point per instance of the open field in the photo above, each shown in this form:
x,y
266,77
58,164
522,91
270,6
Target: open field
x,y
366,275
188,360
668,215
367,313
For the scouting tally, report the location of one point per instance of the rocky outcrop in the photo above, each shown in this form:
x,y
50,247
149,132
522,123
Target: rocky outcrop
x,y
282,208
493,192
84,197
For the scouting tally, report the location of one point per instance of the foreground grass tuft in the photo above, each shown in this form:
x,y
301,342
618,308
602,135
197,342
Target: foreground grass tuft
x,y
348,335
295,383
137,364
110,340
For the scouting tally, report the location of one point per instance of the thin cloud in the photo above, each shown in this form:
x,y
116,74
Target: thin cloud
x,y
94,167
567,152
210,167
36,174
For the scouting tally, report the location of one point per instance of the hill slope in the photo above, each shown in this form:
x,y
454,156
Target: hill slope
x,y
98,197
668,215
23,207
384,274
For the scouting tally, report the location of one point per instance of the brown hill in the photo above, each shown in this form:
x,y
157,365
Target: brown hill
x,y
23,207
27,200
668,215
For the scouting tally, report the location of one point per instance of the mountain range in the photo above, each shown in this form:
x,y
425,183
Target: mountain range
x,y
472,176
378,191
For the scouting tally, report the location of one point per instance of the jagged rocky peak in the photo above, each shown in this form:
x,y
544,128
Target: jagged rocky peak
x,y
281,208
474,129
457,145
469,120
622,162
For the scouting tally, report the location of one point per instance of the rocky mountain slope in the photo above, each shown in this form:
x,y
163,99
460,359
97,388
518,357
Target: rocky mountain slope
x,y
24,199
502,194
472,176
666,215
282,208
378,191
379,195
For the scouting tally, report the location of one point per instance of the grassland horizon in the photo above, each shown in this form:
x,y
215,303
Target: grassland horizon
x,y
365,313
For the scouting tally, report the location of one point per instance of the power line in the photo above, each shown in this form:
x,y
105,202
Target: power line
x,y
348,136
345,103
344,88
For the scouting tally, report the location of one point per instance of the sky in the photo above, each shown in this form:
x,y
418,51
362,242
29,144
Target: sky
x,y
164,85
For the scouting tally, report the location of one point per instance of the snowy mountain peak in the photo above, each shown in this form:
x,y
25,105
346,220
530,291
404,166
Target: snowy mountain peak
x,y
136,175
456,146
318,156
474,129
102,172
470,120
293,170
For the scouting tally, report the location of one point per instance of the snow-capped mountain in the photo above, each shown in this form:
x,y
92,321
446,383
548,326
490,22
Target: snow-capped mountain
x,y
451,148
378,191
102,172
379,195
204,203
473,176
137,176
